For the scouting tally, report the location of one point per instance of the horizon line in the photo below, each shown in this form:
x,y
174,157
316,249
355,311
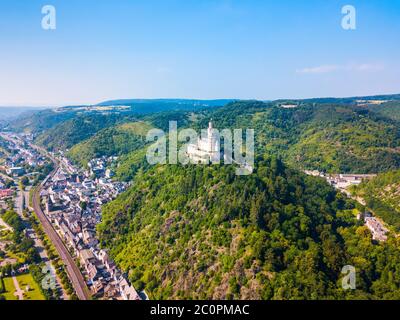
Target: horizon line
x,y
47,106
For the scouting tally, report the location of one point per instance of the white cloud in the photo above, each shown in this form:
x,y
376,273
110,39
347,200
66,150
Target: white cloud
x,y
369,67
365,67
319,69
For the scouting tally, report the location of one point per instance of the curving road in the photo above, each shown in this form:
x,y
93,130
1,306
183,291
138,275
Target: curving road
x,y
74,274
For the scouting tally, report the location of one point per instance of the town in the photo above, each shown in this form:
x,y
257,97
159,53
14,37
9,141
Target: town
x,y
342,182
71,199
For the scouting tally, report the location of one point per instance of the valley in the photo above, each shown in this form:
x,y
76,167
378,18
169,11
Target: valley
x,y
137,231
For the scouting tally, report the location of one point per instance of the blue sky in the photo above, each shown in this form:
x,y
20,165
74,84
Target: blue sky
x,y
205,49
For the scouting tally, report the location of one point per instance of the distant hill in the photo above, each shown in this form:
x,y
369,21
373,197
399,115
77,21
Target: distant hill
x,y
350,100
329,137
36,122
389,109
332,138
146,106
182,102
7,113
127,140
94,134
115,141
79,128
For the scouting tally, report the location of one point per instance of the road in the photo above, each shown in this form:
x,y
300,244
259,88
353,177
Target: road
x,y
21,202
45,258
74,274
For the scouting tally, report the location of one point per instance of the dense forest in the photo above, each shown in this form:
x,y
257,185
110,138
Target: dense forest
x,y
201,232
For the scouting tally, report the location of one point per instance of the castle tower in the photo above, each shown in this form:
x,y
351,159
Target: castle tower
x,y
211,137
207,148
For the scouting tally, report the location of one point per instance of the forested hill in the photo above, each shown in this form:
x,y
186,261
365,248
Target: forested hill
x,y
390,109
355,100
113,141
326,137
7,113
38,121
201,232
79,128
331,138
322,136
64,127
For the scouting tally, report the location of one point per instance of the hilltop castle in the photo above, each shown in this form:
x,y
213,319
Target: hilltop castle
x,y
207,149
